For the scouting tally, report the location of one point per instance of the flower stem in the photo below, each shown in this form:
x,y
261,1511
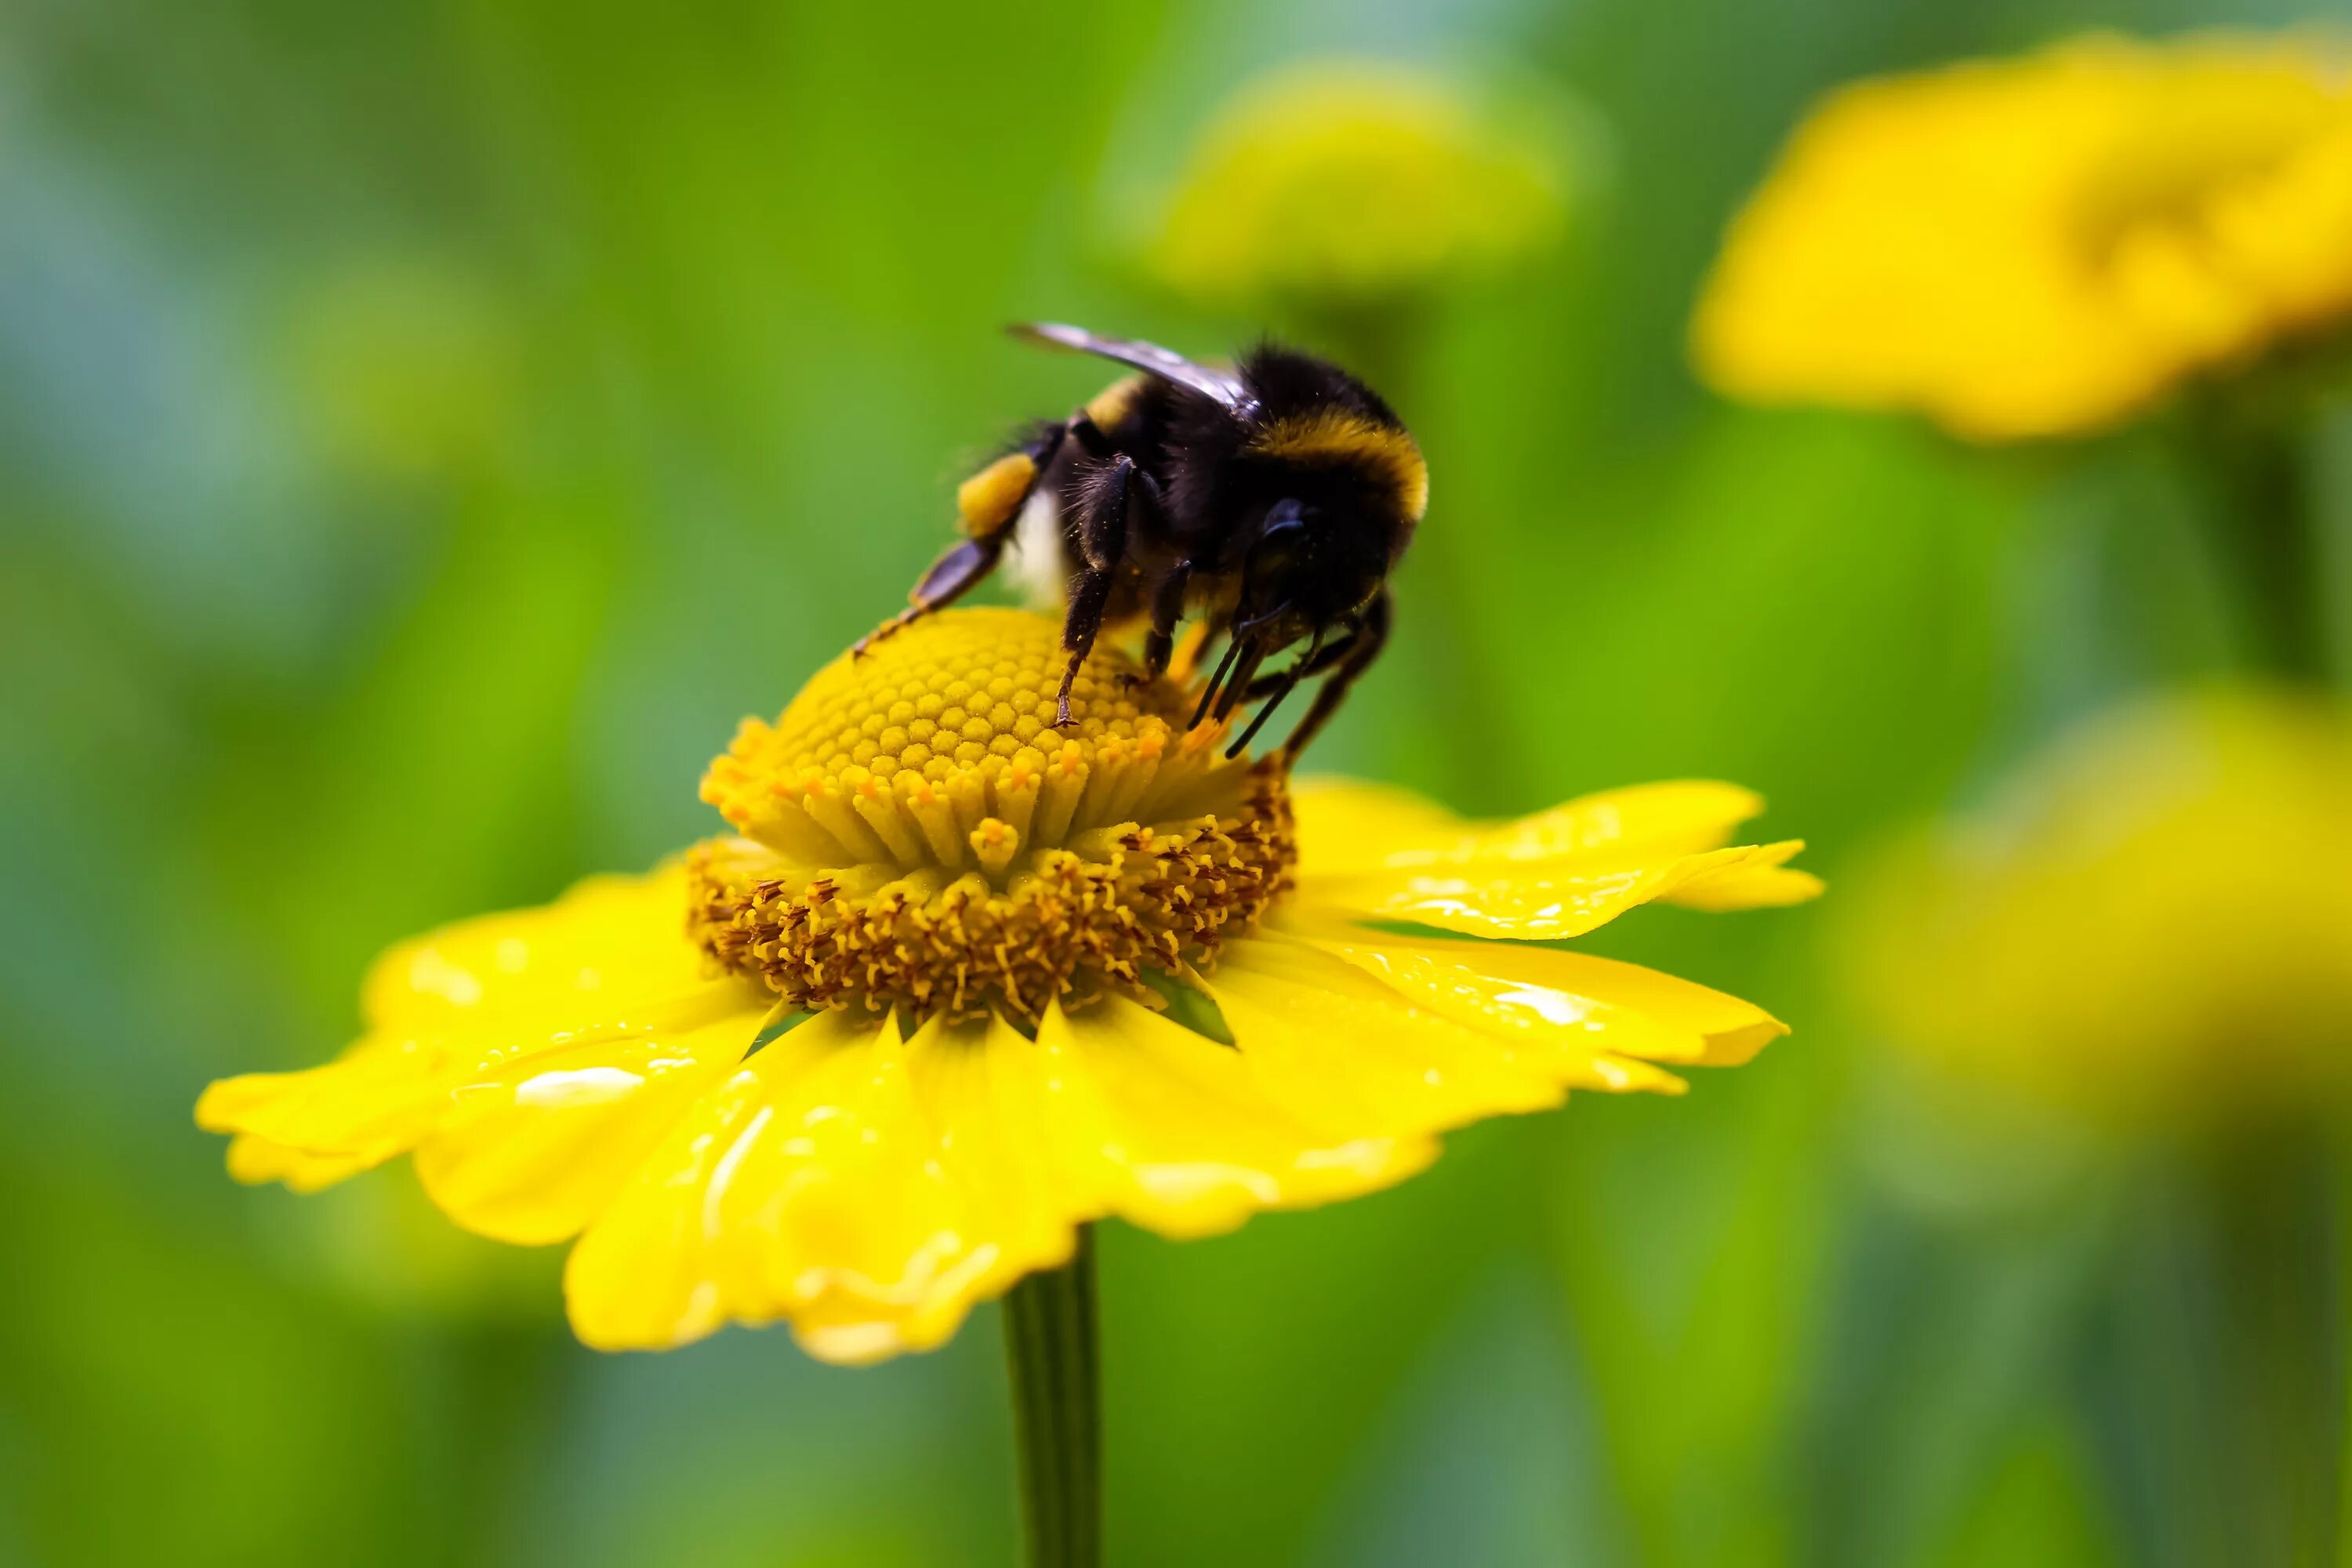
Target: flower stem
x,y
2270,535
2342,1153
1050,1347
2277,1287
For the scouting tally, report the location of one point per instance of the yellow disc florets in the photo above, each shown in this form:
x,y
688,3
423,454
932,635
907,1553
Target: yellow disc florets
x,y
915,833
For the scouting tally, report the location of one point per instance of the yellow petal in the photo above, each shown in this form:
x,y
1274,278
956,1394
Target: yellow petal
x,y
1345,825
254,1161
367,1105
608,945
1658,819
1325,1041
1177,1133
534,1148
643,1274
848,1214
1761,882
1387,854
1549,900
1587,1005
390,1090
998,1106
1582,1042
808,1185
476,1001
871,1192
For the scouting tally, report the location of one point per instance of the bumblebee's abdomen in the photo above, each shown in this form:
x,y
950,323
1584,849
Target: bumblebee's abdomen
x,y
1115,406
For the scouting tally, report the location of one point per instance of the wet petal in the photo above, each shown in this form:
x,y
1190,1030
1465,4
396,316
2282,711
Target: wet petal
x,y
1759,883
1178,1134
872,1192
608,945
1386,854
1549,900
375,1101
534,1148
254,1160
478,1001
1325,1041
388,1092
1351,828
1346,824
807,1185
1590,1007
998,1106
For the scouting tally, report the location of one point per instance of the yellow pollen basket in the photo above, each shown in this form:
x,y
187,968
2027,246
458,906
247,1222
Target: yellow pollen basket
x,y
915,834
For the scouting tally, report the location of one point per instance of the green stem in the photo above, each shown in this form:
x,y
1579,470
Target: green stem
x,y
2219,1374
2268,519
2341,1153
1050,1347
2281,1341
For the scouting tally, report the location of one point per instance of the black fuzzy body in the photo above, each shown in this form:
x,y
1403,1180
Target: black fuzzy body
x,y
1212,494
1270,502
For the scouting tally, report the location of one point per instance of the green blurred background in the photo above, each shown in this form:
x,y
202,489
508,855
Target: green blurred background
x,y
428,427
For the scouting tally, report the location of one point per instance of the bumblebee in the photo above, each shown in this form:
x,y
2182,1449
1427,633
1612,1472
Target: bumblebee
x,y
1271,502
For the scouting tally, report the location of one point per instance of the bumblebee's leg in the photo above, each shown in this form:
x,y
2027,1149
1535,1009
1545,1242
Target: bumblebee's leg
x,y
1363,647
988,505
963,568
1167,609
1103,508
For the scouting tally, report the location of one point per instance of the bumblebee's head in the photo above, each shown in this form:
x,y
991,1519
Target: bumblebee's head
x,y
1311,567
1325,487
1338,482
1312,576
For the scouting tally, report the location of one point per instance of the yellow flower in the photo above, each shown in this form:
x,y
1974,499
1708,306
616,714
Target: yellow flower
x,y
2042,247
2152,923
1345,184
971,925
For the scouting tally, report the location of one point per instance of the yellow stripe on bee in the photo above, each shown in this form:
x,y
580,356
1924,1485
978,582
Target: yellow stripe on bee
x,y
986,501
1332,436
1111,405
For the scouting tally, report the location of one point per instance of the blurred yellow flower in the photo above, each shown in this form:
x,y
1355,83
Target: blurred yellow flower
x,y
1348,184
2152,923
960,908
2042,247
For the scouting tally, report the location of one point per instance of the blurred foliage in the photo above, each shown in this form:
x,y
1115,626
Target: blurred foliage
x,y
430,427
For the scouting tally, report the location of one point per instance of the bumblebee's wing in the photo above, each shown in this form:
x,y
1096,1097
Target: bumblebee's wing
x,y
1149,358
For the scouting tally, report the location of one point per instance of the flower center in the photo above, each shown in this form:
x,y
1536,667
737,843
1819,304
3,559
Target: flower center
x,y
915,834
